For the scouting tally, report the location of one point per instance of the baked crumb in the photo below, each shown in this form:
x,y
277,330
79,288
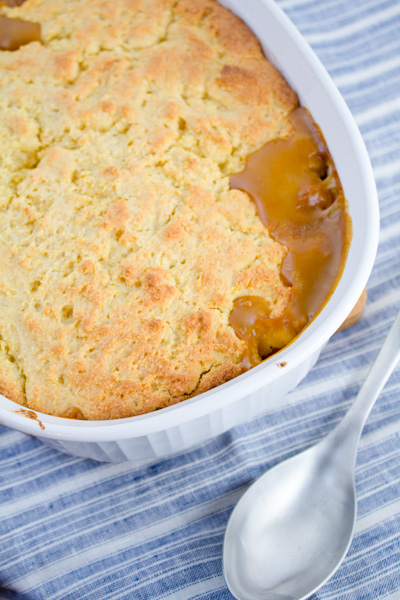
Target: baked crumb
x,y
29,414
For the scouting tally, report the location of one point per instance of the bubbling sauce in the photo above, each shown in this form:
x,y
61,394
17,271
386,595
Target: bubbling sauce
x,y
16,32
299,198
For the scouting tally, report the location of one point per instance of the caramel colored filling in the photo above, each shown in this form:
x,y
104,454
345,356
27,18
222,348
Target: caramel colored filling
x,y
15,33
300,200
11,3
73,413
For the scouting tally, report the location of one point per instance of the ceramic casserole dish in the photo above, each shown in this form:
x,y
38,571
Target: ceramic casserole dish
x,y
177,428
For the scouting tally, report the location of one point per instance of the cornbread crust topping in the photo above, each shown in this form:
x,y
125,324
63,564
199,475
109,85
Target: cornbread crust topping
x,y
122,246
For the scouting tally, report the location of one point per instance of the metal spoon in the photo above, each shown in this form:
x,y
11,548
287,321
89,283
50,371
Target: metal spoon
x,y
293,527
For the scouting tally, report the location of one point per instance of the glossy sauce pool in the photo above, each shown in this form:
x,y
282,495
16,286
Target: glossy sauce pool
x,y
15,33
299,199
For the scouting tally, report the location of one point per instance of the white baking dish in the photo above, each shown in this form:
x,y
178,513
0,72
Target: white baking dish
x,y
182,426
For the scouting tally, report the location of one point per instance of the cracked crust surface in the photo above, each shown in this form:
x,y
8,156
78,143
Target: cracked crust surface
x,y
122,246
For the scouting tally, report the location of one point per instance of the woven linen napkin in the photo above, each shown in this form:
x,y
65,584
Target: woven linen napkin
x,y
77,529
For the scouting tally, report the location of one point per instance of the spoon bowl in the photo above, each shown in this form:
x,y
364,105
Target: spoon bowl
x,y
279,517
292,529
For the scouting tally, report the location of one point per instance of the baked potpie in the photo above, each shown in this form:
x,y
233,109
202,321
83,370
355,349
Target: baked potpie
x,y
170,216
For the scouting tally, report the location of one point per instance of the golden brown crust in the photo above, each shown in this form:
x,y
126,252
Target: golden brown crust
x,y
122,246
11,381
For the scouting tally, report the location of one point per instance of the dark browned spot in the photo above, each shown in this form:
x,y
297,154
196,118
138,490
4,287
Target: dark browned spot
x,y
29,414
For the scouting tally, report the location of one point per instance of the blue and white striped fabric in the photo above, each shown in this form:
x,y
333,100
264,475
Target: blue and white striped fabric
x,y
76,529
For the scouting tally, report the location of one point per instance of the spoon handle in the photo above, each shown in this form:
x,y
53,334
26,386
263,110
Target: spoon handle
x,y
354,421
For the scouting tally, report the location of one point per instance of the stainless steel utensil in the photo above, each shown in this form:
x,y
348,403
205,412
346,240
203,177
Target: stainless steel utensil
x,y
293,527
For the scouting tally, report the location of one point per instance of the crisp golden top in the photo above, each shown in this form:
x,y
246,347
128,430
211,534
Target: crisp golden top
x,y
122,247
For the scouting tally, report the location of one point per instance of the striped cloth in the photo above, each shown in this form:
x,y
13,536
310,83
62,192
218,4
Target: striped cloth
x,y
77,529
